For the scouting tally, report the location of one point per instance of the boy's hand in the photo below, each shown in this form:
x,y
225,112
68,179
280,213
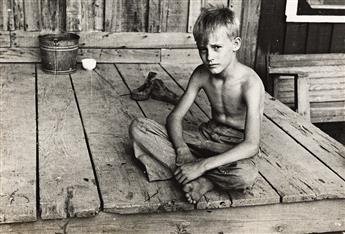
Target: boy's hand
x,y
183,155
189,171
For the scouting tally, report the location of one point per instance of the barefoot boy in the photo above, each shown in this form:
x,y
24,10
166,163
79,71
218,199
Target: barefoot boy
x,y
231,137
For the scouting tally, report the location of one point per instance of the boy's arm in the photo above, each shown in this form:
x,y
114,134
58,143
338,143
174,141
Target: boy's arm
x,y
174,119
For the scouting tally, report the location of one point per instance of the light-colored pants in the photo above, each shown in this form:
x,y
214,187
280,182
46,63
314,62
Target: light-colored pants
x,y
153,148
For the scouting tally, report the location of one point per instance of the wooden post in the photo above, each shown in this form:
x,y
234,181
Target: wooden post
x,y
275,78
302,95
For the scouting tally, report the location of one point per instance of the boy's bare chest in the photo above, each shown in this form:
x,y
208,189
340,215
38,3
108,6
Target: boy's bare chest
x,y
226,98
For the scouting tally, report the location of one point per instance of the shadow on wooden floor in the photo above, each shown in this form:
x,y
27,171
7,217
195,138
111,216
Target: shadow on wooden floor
x,y
335,130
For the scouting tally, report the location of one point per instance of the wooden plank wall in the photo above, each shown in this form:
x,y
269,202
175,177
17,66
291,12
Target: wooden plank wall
x,y
105,15
107,20
281,37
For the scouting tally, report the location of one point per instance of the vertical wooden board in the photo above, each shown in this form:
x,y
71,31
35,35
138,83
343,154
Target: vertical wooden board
x,y
236,6
318,40
261,193
67,183
177,16
325,148
32,13
7,15
154,16
302,95
99,14
193,13
112,15
18,12
53,15
10,15
294,172
74,15
270,36
134,15
3,15
249,31
87,15
157,16
126,16
107,111
18,143
92,14
338,39
163,16
295,38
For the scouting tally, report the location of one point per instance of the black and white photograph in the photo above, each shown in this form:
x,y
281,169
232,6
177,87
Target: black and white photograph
x,y
172,116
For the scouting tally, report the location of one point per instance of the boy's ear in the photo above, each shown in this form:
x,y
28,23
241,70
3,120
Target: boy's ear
x,y
236,43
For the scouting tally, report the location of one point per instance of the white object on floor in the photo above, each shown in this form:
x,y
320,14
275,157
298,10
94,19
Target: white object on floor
x,y
88,63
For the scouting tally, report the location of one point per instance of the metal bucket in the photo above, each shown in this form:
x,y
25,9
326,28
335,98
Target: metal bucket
x,y
59,52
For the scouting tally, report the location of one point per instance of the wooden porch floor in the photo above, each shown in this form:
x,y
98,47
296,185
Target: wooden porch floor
x,y
65,153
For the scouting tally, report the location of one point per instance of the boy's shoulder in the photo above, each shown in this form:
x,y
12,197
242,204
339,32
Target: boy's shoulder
x,y
249,75
200,74
251,80
201,70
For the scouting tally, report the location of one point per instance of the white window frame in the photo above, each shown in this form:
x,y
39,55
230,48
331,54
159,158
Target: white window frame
x,y
291,15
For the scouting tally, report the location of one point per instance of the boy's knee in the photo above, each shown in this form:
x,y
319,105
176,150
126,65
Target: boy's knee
x,y
241,182
249,175
136,127
241,177
248,180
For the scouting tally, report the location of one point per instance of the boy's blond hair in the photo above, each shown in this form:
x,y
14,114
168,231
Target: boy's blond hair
x,y
211,18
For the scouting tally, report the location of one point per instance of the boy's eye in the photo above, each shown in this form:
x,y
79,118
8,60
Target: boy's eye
x,y
202,49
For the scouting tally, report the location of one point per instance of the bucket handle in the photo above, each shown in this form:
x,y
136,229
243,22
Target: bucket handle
x,y
56,42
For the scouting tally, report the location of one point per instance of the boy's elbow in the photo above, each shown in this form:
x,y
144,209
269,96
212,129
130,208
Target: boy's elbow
x,y
253,147
172,117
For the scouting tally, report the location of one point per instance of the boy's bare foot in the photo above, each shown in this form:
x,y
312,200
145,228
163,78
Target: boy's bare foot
x,y
197,188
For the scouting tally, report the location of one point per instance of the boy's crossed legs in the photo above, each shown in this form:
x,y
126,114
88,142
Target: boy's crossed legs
x,y
153,148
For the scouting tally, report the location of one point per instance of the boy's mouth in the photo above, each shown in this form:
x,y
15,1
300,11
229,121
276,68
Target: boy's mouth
x,y
212,65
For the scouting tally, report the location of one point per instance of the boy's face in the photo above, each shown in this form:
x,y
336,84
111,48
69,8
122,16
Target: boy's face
x,y
218,51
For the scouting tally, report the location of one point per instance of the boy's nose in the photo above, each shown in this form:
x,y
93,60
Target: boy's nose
x,y
210,56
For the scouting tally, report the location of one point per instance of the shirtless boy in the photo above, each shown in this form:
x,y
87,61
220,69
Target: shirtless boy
x,y
236,95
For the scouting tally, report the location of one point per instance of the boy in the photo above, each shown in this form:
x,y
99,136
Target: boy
x,y
231,137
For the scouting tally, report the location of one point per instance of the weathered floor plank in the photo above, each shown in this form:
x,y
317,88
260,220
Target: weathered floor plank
x,y
67,182
107,111
303,217
325,148
294,172
17,143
